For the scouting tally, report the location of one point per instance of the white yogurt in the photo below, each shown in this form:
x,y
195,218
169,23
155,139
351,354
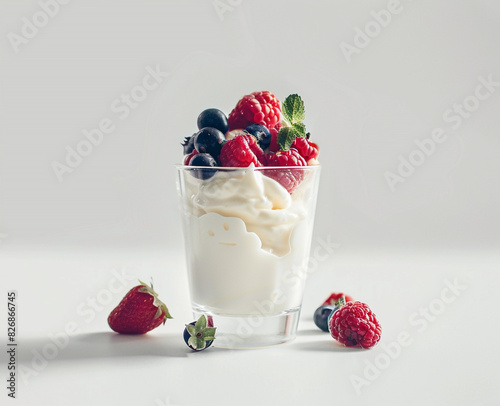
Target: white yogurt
x,y
248,244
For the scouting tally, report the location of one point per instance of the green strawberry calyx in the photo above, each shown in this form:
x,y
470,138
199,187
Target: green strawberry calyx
x,y
340,302
200,334
162,308
293,113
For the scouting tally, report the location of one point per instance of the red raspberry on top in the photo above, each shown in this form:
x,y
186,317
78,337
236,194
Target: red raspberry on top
x,y
290,178
308,150
274,146
256,108
355,325
241,151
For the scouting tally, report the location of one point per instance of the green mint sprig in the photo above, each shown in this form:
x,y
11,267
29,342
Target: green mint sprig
x,y
293,112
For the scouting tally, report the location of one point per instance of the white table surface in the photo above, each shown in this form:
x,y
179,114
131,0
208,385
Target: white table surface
x,y
448,358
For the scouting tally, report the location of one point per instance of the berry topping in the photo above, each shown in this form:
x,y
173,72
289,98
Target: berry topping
x,y
291,178
139,311
241,151
334,298
355,325
188,144
200,334
203,160
209,140
259,124
256,108
308,150
213,118
261,133
322,315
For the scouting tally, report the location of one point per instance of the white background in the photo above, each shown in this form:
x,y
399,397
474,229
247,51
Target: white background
x,y
63,241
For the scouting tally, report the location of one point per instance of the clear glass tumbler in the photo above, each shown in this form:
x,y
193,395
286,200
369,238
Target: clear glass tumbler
x,y
247,234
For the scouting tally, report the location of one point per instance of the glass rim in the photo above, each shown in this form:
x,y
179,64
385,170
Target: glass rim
x,y
244,168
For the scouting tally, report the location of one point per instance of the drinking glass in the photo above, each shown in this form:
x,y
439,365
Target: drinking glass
x,y
247,235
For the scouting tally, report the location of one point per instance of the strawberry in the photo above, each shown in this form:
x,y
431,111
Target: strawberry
x,y
334,298
139,311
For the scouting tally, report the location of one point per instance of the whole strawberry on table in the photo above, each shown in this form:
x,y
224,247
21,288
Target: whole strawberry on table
x,y
259,131
139,311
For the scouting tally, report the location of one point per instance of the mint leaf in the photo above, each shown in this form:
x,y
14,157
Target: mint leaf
x,y
293,109
191,329
286,136
209,333
300,128
197,343
201,323
293,112
200,343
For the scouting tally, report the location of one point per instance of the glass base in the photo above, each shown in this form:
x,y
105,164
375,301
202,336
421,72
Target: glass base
x,y
253,331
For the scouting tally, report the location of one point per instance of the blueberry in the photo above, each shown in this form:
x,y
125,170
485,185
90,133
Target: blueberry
x,y
203,160
261,133
204,336
322,316
188,144
213,118
209,140
186,336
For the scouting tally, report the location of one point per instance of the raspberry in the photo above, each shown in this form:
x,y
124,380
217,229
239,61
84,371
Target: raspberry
x,y
187,158
290,157
274,147
256,108
288,178
241,151
334,297
308,150
355,325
